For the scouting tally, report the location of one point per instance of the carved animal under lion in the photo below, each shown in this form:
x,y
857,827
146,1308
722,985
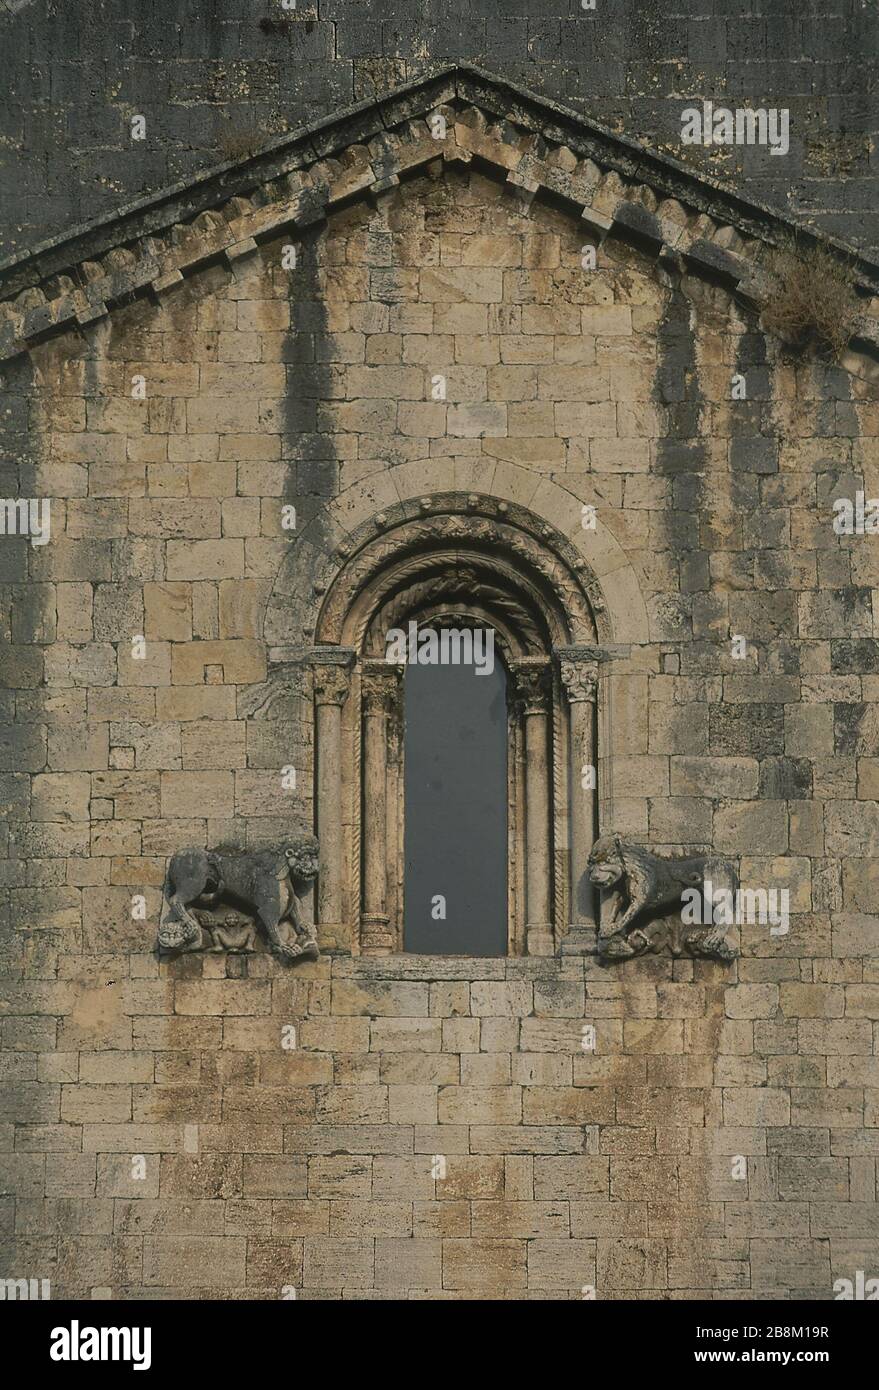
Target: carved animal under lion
x,y
264,883
645,915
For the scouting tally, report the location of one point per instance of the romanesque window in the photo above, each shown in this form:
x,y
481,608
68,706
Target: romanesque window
x,y
465,564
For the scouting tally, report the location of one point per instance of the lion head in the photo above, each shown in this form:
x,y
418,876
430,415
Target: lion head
x,y
606,864
302,859
175,934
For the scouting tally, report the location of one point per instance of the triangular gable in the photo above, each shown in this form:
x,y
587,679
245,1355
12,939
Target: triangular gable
x,y
538,147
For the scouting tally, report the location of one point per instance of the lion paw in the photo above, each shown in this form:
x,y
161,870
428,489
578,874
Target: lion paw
x,y
291,952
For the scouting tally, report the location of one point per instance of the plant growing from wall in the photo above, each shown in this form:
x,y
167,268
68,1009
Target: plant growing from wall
x,y
812,304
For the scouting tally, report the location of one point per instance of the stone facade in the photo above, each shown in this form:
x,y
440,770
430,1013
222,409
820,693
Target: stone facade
x,y
435,1127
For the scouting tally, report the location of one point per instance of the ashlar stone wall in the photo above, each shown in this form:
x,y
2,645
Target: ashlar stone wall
x,y
439,1129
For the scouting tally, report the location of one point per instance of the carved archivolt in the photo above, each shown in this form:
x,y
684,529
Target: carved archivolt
x,y
470,590
464,549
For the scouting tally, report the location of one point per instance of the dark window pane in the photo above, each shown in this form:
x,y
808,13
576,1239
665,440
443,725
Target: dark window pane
x,y
456,810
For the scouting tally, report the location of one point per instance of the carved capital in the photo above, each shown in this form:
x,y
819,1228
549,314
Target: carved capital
x,y
580,680
331,673
331,685
532,687
380,688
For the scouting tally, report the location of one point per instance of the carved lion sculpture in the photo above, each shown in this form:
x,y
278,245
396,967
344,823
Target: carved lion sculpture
x,y
643,887
263,883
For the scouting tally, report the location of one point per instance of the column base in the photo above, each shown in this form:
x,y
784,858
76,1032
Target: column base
x,y
580,940
334,936
539,939
376,935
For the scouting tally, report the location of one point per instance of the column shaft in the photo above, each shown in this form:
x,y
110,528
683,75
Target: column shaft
x,y
533,688
580,682
380,692
331,680
329,812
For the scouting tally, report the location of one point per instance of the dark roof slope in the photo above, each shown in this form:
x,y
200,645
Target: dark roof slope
x,y
540,147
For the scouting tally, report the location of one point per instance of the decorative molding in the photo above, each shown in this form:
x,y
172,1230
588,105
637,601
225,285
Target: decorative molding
x,y
550,556
590,652
560,816
537,147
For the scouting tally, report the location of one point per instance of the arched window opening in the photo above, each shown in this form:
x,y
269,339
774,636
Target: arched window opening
x,y
455,741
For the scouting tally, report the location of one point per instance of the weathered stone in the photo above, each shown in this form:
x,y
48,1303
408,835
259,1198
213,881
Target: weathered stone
x,y
439,411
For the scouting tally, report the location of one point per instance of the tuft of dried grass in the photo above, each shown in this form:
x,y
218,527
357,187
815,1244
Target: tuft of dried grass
x,y
812,305
239,146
